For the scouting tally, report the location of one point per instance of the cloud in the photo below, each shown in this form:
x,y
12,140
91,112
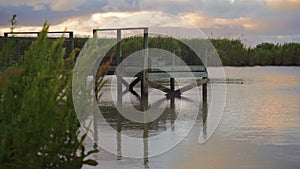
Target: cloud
x,y
278,19
55,5
81,25
121,5
64,5
171,6
77,5
85,24
283,5
203,21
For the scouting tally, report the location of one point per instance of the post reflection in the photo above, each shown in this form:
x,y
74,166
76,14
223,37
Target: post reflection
x,y
119,139
204,119
165,121
146,146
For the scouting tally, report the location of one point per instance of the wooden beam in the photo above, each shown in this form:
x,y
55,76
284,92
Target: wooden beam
x,y
125,83
37,33
169,92
113,29
159,76
159,87
171,68
132,84
198,82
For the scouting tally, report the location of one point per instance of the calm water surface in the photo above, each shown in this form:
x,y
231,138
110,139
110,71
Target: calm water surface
x,y
260,127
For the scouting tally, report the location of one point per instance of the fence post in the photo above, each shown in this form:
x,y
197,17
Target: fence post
x,y
144,81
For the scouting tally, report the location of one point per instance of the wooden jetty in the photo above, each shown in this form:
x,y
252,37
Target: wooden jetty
x,y
149,75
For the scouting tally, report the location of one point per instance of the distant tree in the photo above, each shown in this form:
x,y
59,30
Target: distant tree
x,y
13,22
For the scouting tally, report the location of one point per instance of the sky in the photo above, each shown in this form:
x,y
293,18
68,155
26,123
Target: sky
x,y
252,21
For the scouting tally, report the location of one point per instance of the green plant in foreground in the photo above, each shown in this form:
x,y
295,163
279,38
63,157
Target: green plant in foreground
x,y
38,124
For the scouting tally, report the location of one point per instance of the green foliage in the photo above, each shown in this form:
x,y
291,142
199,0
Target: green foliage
x,y
8,53
38,124
232,52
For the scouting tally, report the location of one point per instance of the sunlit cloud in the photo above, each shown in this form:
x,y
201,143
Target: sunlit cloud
x,y
203,21
289,37
283,5
82,26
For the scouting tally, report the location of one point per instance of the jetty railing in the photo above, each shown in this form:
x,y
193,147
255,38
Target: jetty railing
x,y
21,41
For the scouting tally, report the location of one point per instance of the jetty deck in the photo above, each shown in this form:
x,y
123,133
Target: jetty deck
x,y
149,76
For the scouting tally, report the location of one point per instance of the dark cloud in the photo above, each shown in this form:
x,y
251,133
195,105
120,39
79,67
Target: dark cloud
x,y
26,15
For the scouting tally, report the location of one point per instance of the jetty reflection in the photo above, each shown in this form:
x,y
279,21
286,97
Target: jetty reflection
x,y
145,131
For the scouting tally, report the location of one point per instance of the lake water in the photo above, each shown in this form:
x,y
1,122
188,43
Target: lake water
x,y
260,127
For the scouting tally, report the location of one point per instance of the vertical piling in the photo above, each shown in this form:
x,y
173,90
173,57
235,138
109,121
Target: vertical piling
x,y
119,136
94,33
172,95
172,103
119,78
204,91
144,81
146,145
71,37
204,112
95,122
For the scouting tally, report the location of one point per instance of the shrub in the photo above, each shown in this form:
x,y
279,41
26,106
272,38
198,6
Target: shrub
x,y
38,125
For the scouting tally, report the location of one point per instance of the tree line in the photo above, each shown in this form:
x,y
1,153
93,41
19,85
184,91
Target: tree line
x,y
235,53
232,52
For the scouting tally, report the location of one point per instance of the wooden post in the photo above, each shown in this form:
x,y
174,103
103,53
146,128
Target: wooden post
x,y
172,84
119,78
71,37
204,119
144,80
172,94
172,103
119,136
94,33
145,138
204,92
96,138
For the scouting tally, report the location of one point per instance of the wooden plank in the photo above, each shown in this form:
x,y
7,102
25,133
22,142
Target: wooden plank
x,y
198,82
163,75
113,29
131,68
178,69
37,33
157,76
159,87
